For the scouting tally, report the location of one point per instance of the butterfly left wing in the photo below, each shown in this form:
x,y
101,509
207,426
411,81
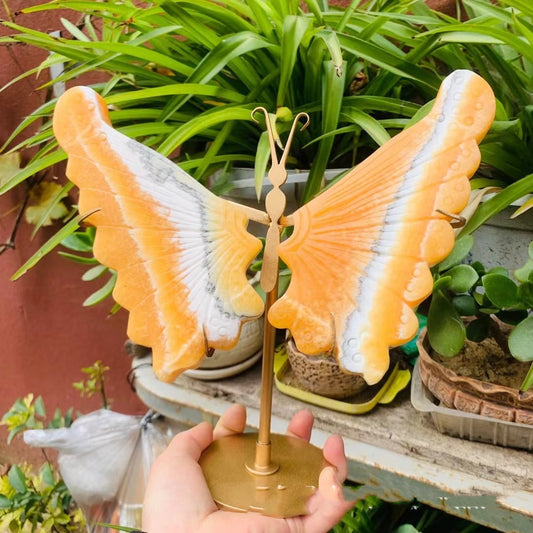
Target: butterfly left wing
x,y
360,251
180,252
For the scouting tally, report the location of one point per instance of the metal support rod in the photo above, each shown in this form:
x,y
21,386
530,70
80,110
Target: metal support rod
x,y
263,459
275,203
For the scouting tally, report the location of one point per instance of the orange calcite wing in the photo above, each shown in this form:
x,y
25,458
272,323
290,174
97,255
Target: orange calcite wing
x,y
181,253
360,251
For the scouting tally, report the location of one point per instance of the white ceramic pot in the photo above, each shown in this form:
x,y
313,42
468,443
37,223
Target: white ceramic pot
x,y
250,342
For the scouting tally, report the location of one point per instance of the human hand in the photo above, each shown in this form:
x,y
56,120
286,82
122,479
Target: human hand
x,y
177,498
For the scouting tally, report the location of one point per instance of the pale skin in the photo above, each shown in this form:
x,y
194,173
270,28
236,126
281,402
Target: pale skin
x,y
177,498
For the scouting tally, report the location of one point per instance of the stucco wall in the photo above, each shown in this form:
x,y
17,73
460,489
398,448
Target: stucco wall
x,y
46,336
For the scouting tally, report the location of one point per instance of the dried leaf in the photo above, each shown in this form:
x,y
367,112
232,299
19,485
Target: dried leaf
x,y
9,166
41,198
528,204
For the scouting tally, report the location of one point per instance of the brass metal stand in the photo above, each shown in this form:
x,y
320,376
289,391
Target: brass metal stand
x,y
270,474
262,472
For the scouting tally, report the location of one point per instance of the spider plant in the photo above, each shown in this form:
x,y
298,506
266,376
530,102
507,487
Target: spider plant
x,y
186,75
183,77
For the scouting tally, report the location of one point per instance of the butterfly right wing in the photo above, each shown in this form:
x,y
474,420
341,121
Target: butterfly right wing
x,y
360,251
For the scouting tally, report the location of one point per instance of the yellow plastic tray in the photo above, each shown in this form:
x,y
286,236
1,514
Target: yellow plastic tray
x,y
384,392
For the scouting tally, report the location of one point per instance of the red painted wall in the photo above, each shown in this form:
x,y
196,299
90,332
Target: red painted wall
x,y
46,336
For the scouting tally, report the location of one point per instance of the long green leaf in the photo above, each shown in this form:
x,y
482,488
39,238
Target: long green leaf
x,y
380,103
213,149
219,160
369,124
201,123
294,29
102,293
232,22
148,128
261,17
50,244
482,33
514,86
331,40
227,50
507,157
74,30
137,52
197,89
80,55
383,59
37,114
262,157
481,7
504,198
79,258
524,6
193,28
109,10
332,90
317,10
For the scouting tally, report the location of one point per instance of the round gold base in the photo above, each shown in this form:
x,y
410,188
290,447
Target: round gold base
x,y
226,466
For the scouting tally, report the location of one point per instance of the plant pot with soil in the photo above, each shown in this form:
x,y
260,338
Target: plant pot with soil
x,y
476,353
319,380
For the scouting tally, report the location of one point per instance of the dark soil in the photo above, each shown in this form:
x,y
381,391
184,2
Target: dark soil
x,y
486,361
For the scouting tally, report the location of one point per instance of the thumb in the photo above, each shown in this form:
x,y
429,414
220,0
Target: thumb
x,y
175,477
191,443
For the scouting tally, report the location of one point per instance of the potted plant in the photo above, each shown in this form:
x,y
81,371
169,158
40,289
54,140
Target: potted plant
x,y
183,77
475,355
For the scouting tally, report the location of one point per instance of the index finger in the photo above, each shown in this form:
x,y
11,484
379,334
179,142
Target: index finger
x,y
232,422
301,425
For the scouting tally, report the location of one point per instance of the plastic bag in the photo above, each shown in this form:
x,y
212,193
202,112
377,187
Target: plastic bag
x,y
93,453
156,433
104,459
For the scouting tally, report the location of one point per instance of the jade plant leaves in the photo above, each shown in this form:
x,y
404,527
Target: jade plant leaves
x,y
521,340
462,246
465,305
446,330
500,290
463,278
525,273
525,293
478,329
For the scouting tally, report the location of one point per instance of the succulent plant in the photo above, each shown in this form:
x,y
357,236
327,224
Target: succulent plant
x,y
470,302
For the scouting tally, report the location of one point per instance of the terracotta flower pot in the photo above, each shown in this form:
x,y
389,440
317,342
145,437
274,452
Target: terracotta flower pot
x,y
322,374
471,395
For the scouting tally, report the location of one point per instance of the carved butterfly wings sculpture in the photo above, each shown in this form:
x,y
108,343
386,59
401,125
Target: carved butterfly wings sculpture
x,y
359,252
